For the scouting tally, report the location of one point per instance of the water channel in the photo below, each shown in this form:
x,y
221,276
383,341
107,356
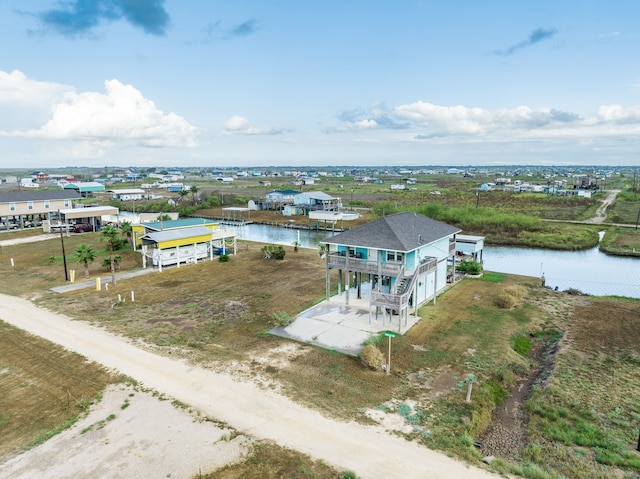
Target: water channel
x,y
591,271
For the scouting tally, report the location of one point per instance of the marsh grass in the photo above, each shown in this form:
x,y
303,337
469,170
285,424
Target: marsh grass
x,y
621,241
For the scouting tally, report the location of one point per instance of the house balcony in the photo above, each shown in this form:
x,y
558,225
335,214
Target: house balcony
x,y
367,266
400,300
222,233
393,302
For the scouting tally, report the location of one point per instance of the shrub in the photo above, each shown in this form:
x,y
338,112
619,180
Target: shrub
x,y
372,357
511,297
281,319
376,340
517,292
470,267
273,251
106,263
223,258
506,301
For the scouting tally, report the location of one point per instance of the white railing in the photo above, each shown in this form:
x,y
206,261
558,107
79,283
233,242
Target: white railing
x,y
349,263
401,300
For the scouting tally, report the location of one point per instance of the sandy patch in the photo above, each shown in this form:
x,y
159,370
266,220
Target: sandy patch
x,y
132,434
393,416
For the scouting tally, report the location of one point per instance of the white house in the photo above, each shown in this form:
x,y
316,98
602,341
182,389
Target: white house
x,y
127,194
404,256
316,200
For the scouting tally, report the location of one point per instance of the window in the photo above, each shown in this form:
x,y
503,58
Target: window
x,y
12,206
66,203
30,205
47,204
394,256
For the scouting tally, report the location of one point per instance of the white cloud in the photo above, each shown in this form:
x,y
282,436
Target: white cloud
x,y
121,115
453,119
617,113
239,125
16,88
520,123
25,103
364,124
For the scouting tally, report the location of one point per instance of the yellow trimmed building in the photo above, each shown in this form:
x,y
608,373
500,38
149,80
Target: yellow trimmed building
x,y
183,241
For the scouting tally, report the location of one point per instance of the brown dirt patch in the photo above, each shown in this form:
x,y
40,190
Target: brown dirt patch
x,y
443,382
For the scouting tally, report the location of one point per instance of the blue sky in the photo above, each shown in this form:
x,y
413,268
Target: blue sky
x,y
333,82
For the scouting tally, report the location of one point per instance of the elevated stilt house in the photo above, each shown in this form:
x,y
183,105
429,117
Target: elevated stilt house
x,y
188,240
406,257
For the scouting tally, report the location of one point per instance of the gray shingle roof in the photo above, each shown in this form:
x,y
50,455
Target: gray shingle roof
x,y
399,232
22,196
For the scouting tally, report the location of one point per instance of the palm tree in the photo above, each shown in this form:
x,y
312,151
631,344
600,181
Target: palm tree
x,y
85,254
194,191
110,235
181,195
126,230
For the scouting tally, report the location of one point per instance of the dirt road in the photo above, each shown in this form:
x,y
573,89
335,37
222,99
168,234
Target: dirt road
x,y
601,212
368,451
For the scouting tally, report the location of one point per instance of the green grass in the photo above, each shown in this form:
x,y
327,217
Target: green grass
x,y
621,241
583,411
522,345
490,277
54,432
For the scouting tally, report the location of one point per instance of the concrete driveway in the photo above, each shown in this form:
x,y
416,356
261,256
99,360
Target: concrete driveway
x,y
337,326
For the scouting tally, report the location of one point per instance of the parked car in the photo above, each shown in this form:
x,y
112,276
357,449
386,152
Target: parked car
x,y
82,228
10,226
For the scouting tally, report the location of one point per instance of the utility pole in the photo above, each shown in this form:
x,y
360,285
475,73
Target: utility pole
x,y
389,335
64,256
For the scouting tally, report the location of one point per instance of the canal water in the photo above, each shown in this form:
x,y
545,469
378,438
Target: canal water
x,y
591,271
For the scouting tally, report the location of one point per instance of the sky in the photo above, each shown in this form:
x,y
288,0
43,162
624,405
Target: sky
x,y
244,83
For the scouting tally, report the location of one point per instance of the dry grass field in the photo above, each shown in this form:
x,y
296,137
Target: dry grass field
x,y
43,389
218,314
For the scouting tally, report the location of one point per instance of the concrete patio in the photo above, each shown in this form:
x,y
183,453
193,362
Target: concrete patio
x,y
337,326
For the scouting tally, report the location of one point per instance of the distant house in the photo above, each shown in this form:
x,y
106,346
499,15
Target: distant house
x,y
127,194
308,180
407,259
86,189
225,180
316,200
175,187
90,215
28,183
18,207
277,199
